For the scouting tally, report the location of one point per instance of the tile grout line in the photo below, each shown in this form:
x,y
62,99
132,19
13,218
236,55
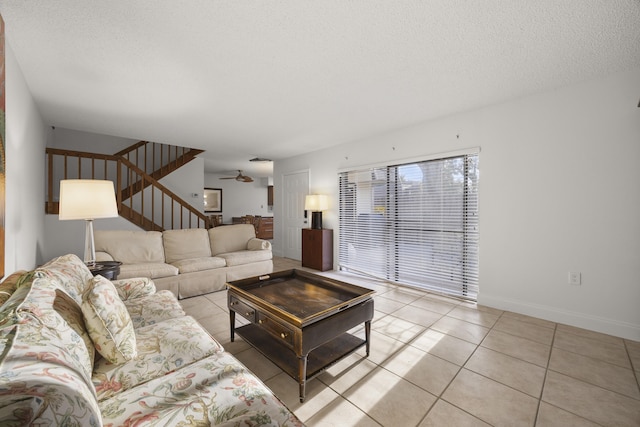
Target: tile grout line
x,y
598,360
390,356
633,370
474,352
546,372
461,367
547,369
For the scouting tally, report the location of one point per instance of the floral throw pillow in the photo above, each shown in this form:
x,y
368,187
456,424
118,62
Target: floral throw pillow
x,y
108,322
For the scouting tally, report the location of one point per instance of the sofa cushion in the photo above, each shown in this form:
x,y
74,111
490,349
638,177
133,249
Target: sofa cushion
x,y
150,270
134,288
154,308
217,390
246,257
9,285
71,313
162,348
45,368
230,238
188,243
199,264
42,298
239,272
131,247
108,322
41,384
69,272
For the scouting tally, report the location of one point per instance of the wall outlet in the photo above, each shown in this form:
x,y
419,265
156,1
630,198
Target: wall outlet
x,y
575,278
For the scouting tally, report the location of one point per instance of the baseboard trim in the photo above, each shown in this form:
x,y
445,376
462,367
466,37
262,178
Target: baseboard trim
x,y
581,320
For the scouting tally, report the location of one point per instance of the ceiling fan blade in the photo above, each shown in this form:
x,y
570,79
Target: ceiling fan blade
x,y
240,177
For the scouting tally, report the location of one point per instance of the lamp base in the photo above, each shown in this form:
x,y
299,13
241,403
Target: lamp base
x,y
316,220
89,247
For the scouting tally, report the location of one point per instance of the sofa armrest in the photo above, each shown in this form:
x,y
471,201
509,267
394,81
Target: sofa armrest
x,y
137,287
256,244
103,256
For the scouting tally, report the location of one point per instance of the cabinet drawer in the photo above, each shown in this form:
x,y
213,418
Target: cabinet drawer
x,y
276,329
242,309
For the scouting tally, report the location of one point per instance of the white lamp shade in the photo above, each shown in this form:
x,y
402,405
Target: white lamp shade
x,y
87,199
316,203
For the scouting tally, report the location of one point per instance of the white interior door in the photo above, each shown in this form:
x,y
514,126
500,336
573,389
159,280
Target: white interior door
x,y
295,188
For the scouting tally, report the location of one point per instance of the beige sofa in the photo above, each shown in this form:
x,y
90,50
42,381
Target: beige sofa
x,y
187,262
78,350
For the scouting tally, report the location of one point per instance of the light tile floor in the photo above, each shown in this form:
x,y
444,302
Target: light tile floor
x,y
437,361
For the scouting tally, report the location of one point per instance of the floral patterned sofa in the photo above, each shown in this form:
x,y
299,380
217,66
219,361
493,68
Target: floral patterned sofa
x,y
78,350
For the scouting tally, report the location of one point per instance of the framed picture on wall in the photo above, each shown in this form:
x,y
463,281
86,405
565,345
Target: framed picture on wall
x,y
213,200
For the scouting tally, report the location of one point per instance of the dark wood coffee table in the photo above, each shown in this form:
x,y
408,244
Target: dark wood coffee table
x,y
299,320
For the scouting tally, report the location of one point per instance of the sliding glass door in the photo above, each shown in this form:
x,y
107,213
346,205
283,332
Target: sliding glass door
x,y
414,223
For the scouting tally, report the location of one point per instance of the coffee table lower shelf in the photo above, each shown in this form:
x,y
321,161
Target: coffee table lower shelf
x,y
285,358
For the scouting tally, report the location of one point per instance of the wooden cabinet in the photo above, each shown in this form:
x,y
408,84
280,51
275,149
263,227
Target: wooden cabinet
x,y
264,228
262,224
317,249
270,195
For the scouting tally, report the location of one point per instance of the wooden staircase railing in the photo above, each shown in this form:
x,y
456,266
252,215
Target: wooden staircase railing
x,y
156,160
156,207
141,198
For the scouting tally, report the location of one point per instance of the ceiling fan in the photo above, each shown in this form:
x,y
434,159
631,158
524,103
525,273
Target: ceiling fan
x,y
240,177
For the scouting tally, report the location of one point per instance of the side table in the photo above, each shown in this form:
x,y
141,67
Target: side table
x,y
317,248
107,269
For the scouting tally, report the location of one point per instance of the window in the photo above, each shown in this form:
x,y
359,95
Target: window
x,y
415,223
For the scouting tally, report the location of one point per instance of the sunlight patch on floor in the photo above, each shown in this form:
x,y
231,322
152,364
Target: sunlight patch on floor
x,y
430,339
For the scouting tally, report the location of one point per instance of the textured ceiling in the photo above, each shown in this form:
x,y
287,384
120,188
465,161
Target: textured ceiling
x,y
278,78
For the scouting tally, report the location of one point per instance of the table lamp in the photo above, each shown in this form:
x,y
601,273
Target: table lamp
x,y
87,199
316,203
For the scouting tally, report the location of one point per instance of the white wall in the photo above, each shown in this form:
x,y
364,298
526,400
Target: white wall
x,y
240,198
26,137
67,237
559,192
70,139
187,181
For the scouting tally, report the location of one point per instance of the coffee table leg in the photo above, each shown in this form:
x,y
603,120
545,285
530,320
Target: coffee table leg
x,y
232,320
367,334
302,374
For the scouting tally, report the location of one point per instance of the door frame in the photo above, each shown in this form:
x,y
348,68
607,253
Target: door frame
x,y
302,222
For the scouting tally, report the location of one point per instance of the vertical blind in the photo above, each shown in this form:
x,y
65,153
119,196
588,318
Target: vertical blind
x,y
414,223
